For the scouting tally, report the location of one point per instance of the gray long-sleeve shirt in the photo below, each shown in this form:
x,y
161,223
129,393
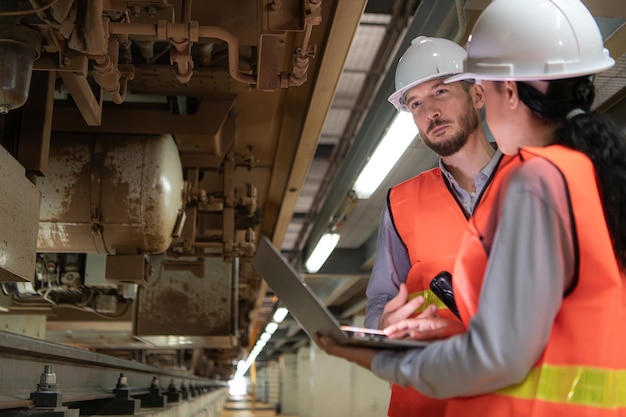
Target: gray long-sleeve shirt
x,y
392,263
530,265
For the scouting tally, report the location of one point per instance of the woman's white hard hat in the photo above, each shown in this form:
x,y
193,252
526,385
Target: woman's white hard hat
x,y
426,59
534,40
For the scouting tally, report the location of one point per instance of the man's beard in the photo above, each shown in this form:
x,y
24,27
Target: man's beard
x,y
469,122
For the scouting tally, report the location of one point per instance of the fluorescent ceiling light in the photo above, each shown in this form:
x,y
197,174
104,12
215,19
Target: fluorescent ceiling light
x,y
322,251
271,328
398,137
280,314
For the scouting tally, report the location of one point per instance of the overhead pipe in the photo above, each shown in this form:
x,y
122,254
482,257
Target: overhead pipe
x,y
106,72
249,201
105,54
164,30
298,75
180,53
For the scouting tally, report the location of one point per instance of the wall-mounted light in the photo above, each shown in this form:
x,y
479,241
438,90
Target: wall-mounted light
x,y
322,251
396,140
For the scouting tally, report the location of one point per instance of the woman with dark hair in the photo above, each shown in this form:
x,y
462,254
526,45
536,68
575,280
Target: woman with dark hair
x,y
539,280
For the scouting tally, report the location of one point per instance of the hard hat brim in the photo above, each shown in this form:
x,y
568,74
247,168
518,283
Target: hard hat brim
x,y
606,64
397,98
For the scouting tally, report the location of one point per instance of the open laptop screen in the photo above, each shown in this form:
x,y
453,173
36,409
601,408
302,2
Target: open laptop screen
x,y
308,310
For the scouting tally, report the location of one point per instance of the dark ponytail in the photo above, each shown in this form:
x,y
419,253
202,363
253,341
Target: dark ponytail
x,y
596,135
568,102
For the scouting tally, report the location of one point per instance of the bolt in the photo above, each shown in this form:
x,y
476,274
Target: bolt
x,y
67,61
47,380
152,11
122,382
135,10
275,5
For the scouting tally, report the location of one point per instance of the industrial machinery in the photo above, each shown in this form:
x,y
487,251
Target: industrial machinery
x,y
145,147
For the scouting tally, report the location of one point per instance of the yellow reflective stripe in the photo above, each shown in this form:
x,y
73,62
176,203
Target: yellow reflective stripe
x,y
429,298
593,387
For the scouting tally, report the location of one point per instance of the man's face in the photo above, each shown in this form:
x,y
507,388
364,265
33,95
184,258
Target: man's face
x,y
444,114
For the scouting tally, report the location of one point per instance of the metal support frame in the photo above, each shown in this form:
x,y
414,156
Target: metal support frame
x,y
89,104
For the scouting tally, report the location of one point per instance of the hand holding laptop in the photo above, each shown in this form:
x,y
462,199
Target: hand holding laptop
x,y
361,356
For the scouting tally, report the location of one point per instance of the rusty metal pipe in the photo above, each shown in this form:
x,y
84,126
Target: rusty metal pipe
x,y
107,74
180,54
175,30
300,68
186,14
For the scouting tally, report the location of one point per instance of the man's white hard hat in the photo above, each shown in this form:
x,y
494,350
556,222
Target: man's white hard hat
x,y
534,40
426,59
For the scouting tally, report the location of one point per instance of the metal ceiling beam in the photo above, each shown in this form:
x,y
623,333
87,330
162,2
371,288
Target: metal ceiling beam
x,y
427,21
345,20
400,13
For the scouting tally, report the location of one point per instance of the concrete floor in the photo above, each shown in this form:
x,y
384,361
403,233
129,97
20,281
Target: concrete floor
x,y
247,407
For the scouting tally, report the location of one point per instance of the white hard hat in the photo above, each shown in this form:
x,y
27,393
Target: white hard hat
x,y
534,40
426,59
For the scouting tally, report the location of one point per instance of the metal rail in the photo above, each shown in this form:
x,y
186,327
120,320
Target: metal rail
x,y
31,368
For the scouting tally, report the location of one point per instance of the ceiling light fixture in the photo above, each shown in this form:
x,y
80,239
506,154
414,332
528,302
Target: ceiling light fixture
x,y
280,314
395,141
270,329
322,251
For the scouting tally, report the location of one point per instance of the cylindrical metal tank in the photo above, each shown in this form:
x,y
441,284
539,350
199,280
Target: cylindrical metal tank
x,y
110,194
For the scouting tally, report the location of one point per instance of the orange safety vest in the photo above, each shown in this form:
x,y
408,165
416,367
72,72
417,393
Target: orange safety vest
x,y
582,370
431,223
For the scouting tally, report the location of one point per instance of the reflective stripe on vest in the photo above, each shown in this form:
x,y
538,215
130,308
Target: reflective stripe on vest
x,y
587,386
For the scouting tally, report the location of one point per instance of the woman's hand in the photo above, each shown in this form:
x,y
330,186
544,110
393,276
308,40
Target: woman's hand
x,y
423,328
358,355
400,308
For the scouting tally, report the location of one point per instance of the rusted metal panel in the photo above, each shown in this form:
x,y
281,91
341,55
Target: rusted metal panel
x,y
127,268
188,298
19,205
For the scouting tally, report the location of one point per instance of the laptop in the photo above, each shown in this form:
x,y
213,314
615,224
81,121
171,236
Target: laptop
x,y
309,311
